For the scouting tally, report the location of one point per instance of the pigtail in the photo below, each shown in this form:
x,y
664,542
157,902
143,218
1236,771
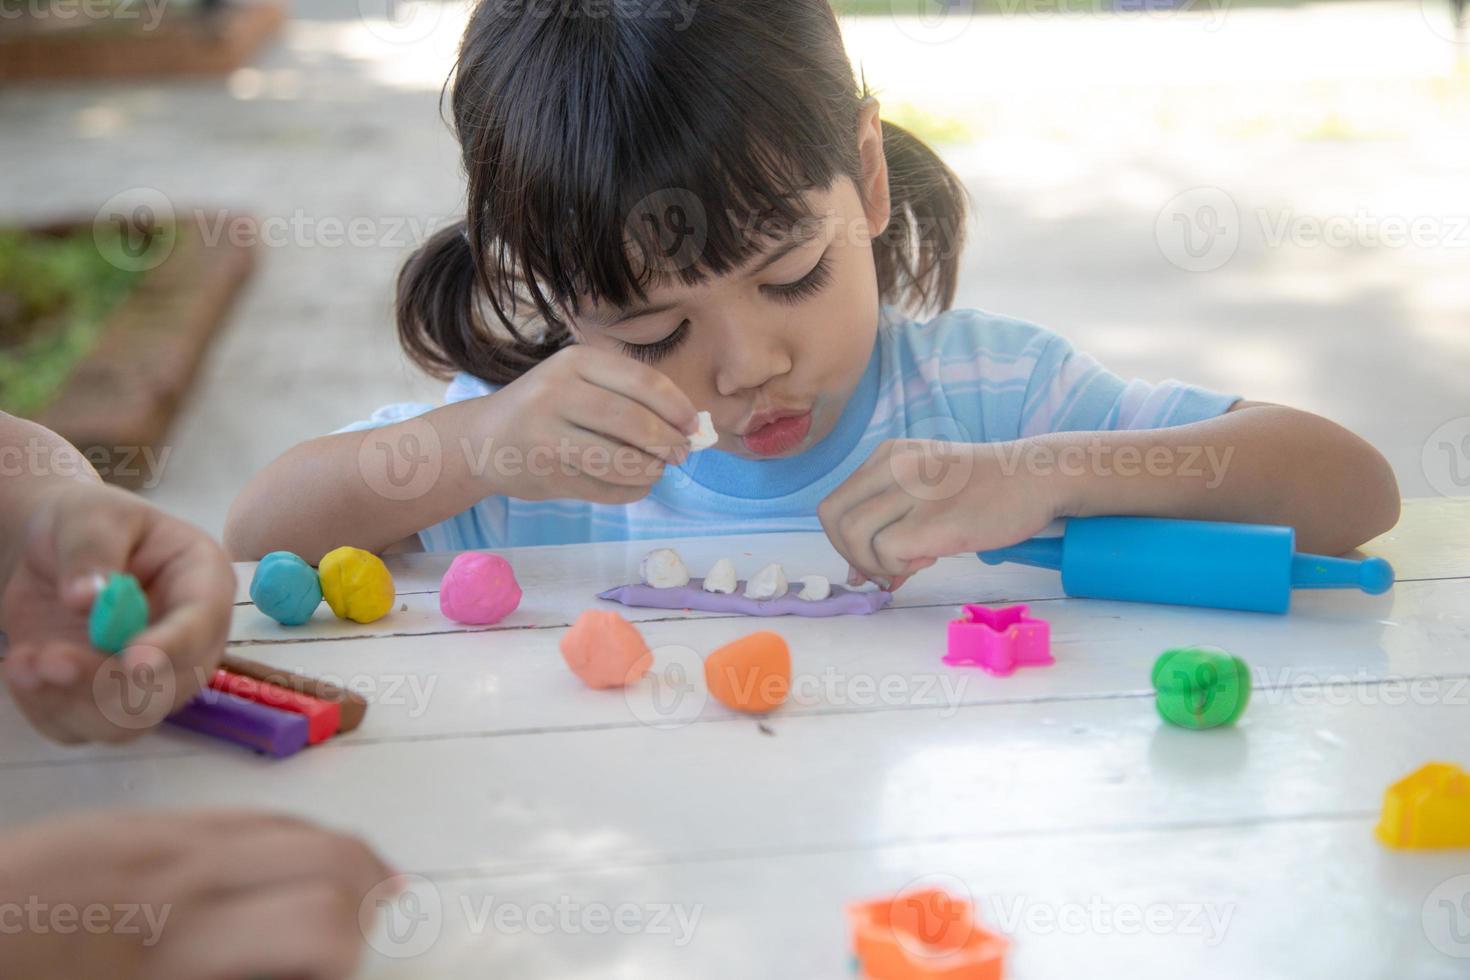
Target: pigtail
x,y
441,321
918,255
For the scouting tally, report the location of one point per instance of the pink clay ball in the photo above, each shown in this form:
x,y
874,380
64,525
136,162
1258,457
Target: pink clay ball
x,y
479,589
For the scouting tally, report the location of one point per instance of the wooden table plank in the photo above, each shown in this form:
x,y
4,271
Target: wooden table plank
x,y
494,682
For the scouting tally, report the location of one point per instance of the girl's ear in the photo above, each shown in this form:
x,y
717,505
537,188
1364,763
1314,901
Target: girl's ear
x,y
877,200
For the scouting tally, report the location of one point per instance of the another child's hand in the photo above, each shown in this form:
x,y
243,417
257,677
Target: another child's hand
x,y
915,501
183,895
78,536
590,425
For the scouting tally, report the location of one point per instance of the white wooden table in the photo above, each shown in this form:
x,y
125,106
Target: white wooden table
x,y
564,832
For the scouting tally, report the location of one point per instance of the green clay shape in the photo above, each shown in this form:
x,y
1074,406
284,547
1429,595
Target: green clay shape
x,y
1201,687
119,613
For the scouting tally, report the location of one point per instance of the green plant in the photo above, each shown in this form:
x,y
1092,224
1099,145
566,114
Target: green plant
x,y
55,294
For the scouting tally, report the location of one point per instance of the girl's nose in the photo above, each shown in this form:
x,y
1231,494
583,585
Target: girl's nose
x,y
748,358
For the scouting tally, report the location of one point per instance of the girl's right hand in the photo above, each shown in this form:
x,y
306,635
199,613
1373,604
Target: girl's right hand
x,y
589,424
184,895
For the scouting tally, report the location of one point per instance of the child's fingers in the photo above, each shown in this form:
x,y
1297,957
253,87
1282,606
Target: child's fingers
x,y
644,385
609,461
627,422
854,533
91,540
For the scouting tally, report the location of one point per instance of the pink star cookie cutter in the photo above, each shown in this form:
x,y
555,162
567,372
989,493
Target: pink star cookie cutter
x,y
999,640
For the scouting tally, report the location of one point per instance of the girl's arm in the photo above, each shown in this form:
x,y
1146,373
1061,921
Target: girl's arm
x,y
1258,463
584,424
915,501
370,489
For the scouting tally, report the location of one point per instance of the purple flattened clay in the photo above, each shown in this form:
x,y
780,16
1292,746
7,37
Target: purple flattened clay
x,y
842,602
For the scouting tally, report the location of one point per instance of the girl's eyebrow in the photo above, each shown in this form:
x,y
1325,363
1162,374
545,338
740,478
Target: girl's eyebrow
x,y
801,237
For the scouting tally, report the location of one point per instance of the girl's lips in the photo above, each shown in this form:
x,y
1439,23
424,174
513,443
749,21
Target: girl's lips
x,y
775,438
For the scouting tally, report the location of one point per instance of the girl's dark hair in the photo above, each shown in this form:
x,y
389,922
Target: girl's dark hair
x,y
610,146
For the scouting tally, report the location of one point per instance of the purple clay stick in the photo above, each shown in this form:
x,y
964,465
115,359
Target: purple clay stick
x,y
842,602
260,727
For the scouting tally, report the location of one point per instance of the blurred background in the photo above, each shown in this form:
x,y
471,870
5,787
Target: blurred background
x,y
203,207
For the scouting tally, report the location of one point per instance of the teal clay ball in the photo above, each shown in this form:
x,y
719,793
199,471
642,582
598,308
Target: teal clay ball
x,y
119,613
286,588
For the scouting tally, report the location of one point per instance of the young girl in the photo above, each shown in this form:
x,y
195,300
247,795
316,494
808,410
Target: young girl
x,y
670,215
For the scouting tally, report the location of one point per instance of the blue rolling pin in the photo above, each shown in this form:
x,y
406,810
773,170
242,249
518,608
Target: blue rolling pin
x,y
1190,563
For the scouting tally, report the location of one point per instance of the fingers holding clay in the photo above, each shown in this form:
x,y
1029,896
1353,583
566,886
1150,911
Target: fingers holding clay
x,y
663,569
356,584
752,675
706,436
285,588
605,650
721,578
479,589
119,613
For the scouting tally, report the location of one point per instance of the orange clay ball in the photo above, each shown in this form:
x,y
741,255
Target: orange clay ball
x,y
752,674
605,650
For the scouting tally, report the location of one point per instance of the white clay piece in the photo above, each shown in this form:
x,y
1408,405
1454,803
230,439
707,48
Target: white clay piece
x,y
814,588
706,436
768,583
721,577
662,568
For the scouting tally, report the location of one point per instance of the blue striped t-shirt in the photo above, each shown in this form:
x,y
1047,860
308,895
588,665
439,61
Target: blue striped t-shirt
x,y
966,375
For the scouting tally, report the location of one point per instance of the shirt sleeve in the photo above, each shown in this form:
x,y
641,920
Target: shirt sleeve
x,y
1007,379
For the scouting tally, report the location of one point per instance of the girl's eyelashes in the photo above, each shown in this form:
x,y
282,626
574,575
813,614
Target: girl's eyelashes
x,y
808,285
659,348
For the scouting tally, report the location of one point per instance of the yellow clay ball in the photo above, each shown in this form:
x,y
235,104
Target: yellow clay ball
x,y
356,584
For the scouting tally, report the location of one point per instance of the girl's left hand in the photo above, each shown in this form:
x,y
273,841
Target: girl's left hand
x,y
917,500
71,692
